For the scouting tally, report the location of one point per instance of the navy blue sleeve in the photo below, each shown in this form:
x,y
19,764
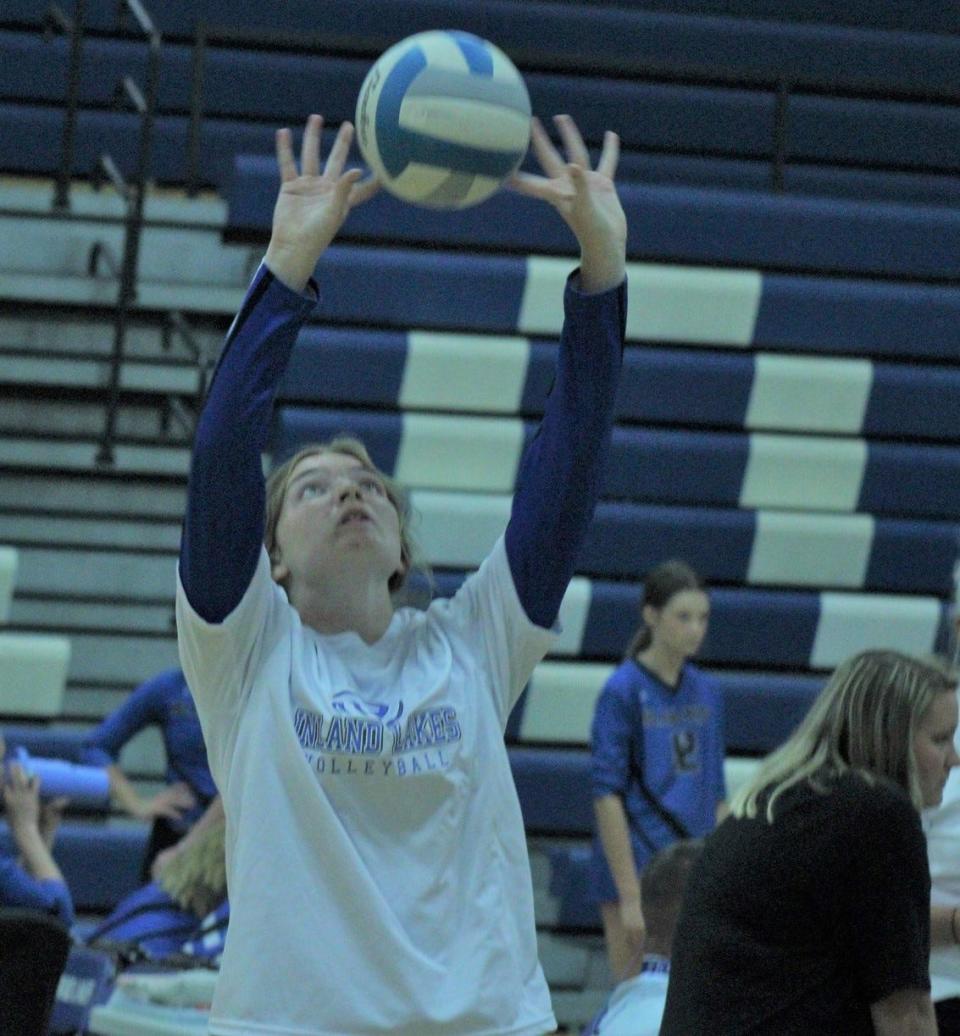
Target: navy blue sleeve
x,y
610,738
142,708
223,528
18,889
562,468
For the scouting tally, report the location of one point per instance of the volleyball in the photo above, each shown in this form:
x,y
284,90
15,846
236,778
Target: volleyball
x,y
443,118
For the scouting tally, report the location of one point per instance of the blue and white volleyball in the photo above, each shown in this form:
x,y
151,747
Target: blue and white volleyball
x,y
443,118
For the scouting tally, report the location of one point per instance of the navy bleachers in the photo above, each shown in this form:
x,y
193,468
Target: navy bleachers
x,y
826,315
719,120
604,39
667,223
896,15
670,104
668,465
692,388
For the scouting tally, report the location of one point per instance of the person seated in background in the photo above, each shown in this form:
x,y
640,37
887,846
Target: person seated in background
x,y
163,701
34,879
183,911
635,1007
808,910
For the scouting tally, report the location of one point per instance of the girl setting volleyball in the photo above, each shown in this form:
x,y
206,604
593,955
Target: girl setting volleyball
x,y
376,858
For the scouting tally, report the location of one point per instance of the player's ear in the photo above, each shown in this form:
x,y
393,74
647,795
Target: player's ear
x,y
278,569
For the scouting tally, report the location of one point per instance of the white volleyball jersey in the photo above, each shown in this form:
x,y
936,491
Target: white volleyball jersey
x,y
376,856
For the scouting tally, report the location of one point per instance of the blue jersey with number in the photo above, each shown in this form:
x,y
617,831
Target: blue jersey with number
x,y
675,736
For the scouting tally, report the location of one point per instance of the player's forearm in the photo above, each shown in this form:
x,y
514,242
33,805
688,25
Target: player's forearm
x,y
37,859
602,266
223,528
615,838
123,794
562,468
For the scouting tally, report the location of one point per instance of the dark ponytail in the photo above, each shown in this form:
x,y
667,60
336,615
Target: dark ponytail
x,y
661,583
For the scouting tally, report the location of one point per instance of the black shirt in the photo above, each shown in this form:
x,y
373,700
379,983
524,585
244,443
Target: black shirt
x,y
794,928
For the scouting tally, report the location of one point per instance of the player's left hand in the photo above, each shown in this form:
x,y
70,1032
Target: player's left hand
x,y
586,198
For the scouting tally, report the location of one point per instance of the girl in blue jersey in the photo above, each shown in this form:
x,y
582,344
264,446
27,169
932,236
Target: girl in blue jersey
x,y
657,744
377,866
190,797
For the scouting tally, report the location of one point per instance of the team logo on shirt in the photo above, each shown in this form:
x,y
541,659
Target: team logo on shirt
x,y
349,704
686,751
357,731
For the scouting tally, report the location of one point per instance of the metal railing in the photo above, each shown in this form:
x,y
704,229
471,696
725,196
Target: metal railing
x,y
56,20
176,330
133,194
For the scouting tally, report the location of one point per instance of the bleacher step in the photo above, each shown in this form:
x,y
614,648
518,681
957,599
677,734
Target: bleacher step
x,y
81,372
50,333
34,528
24,195
40,415
92,617
31,452
94,493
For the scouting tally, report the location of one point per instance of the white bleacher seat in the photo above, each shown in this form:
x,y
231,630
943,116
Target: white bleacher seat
x,y
33,674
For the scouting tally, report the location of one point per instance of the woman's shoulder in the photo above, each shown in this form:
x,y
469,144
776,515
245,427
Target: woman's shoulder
x,y
873,796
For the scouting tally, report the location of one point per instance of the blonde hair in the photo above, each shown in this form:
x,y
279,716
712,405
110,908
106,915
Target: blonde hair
x,y
279,480
864,720
196,878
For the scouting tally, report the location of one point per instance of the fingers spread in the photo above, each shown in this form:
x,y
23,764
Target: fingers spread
x,y
547,155
572,141
285,162
610,155
531,185
338,153
310,149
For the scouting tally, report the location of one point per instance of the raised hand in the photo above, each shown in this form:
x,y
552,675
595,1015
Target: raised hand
x,y
586,199
312,203
51,813
21,798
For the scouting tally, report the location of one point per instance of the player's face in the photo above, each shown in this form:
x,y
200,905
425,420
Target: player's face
x,y
681,624
933,748
336,511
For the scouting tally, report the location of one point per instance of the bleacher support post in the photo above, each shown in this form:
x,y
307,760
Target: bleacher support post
x,y
56,19
196,109
145,105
